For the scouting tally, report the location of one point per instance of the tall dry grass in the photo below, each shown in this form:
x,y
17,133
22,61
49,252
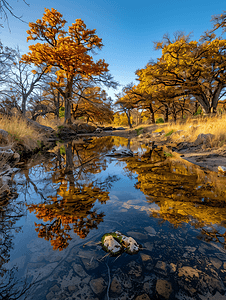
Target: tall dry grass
x,y
50,122
20,133
215,125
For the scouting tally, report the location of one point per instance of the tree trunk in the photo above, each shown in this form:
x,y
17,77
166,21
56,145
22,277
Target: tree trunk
x,y
67,101
152,114
196,107
216,97
58,105
67,116
166,114
128,117
24,101
203,101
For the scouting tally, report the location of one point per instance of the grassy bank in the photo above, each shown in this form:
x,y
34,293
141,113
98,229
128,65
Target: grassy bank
x,y
21,135
193,127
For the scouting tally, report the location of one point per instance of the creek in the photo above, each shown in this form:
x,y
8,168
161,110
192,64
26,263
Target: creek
x,y
70,197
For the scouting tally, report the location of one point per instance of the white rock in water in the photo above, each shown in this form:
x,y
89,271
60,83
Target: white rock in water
x,y
111,244
222,169
130,244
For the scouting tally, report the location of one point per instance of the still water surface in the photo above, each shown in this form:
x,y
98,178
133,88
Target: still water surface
x,y
70,198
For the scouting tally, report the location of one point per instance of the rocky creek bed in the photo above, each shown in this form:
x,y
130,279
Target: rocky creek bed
x,y
182,236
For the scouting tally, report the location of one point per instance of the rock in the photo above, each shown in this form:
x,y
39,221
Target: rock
x,y
135,269
173,268
55,288
85,128
216,262
148,246
98,285
203,139
162,267
162,132
3,136
145,257
50,296
111,245
163,288
98,130
116,286
222,169
119,128
120,153
131,246
79,270
155,134
214,284
148,285
72,288
84,292
116,242
151,231
188,272
142,297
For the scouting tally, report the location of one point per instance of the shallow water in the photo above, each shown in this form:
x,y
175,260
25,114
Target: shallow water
x,y
70,198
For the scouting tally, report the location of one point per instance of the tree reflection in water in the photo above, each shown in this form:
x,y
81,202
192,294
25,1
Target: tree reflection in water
x,y
184,192
10,212
72,208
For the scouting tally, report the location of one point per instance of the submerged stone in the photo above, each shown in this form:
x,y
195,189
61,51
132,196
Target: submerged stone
x,y
163,288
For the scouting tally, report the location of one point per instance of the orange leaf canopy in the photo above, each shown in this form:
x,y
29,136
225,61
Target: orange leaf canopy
x,y
66,50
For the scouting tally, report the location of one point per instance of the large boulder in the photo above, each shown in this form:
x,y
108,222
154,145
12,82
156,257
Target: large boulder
x,y
204,139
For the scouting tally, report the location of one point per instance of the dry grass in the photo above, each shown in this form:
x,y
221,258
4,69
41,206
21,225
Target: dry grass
x,y
54,123
21,133
193,127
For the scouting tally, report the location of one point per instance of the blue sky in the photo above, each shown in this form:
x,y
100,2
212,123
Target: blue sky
x,y
127,28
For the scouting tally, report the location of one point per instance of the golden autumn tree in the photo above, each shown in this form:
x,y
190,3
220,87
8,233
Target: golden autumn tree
x,y
67,51
126,102
190,68
91,102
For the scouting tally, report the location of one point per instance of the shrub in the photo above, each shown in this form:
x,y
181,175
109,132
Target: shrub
x,y
199,112
61,112
62,150
159,120
169,133
138,130
168,154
